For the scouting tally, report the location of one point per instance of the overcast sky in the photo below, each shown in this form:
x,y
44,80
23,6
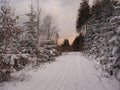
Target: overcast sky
x,y
65,12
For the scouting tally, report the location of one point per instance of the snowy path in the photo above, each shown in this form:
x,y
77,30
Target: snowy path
x,y
70,72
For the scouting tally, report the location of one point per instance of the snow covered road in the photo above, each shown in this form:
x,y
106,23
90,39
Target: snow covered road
x,y
71,71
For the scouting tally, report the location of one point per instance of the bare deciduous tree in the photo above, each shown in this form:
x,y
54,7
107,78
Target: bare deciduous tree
x,y
50,27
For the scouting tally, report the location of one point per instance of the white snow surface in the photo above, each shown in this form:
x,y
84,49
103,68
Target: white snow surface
x,y
70,71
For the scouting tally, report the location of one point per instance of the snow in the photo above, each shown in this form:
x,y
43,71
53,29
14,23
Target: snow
x,y
117,7
71,71
118,30
118,75
115,19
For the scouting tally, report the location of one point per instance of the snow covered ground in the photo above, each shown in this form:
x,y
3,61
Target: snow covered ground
x,y
71,71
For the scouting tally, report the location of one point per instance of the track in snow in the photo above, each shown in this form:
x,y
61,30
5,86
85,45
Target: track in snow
x,y
71,71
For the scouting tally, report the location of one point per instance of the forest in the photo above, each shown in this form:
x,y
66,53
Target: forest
x,y
99,25
31,43
25,44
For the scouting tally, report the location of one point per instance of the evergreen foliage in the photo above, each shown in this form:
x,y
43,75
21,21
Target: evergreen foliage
x,y
66,43
77,44
102,37
83,15
31,32
9,30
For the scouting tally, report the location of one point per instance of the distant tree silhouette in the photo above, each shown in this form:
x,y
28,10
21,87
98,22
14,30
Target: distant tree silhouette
x,y
66,43
78,43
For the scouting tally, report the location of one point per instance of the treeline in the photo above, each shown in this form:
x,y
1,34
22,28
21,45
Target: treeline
x,y
29,43
77,44
100,26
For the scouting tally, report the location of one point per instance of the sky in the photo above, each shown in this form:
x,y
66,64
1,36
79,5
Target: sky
x,y
64,11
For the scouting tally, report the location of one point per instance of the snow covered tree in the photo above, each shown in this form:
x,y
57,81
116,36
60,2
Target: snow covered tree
x,y
102,9
31,32
9,39
93,31
9,30
20,48
102,37
48,51
49,33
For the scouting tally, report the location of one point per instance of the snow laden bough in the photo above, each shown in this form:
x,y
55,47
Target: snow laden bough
x,y
115,41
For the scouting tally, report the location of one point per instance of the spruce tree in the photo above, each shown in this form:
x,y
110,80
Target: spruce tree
x,y
83,15
31,32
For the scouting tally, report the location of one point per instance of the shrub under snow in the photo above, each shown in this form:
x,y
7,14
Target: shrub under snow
x,y
48,51
12,62
15,62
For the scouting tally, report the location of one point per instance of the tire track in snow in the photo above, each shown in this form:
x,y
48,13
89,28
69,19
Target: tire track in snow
x,y
61,77
56,78
88,79
81,73
51,77
65,77
76,73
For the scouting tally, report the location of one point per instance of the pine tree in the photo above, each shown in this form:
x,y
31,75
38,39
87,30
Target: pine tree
x,y
9,37
83,15
102,9
115,23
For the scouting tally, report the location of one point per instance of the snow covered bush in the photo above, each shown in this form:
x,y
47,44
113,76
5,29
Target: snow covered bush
x,y
9,30
12,62
48,51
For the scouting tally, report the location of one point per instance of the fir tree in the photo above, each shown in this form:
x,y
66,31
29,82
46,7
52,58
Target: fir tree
x,y
31,32
83,15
